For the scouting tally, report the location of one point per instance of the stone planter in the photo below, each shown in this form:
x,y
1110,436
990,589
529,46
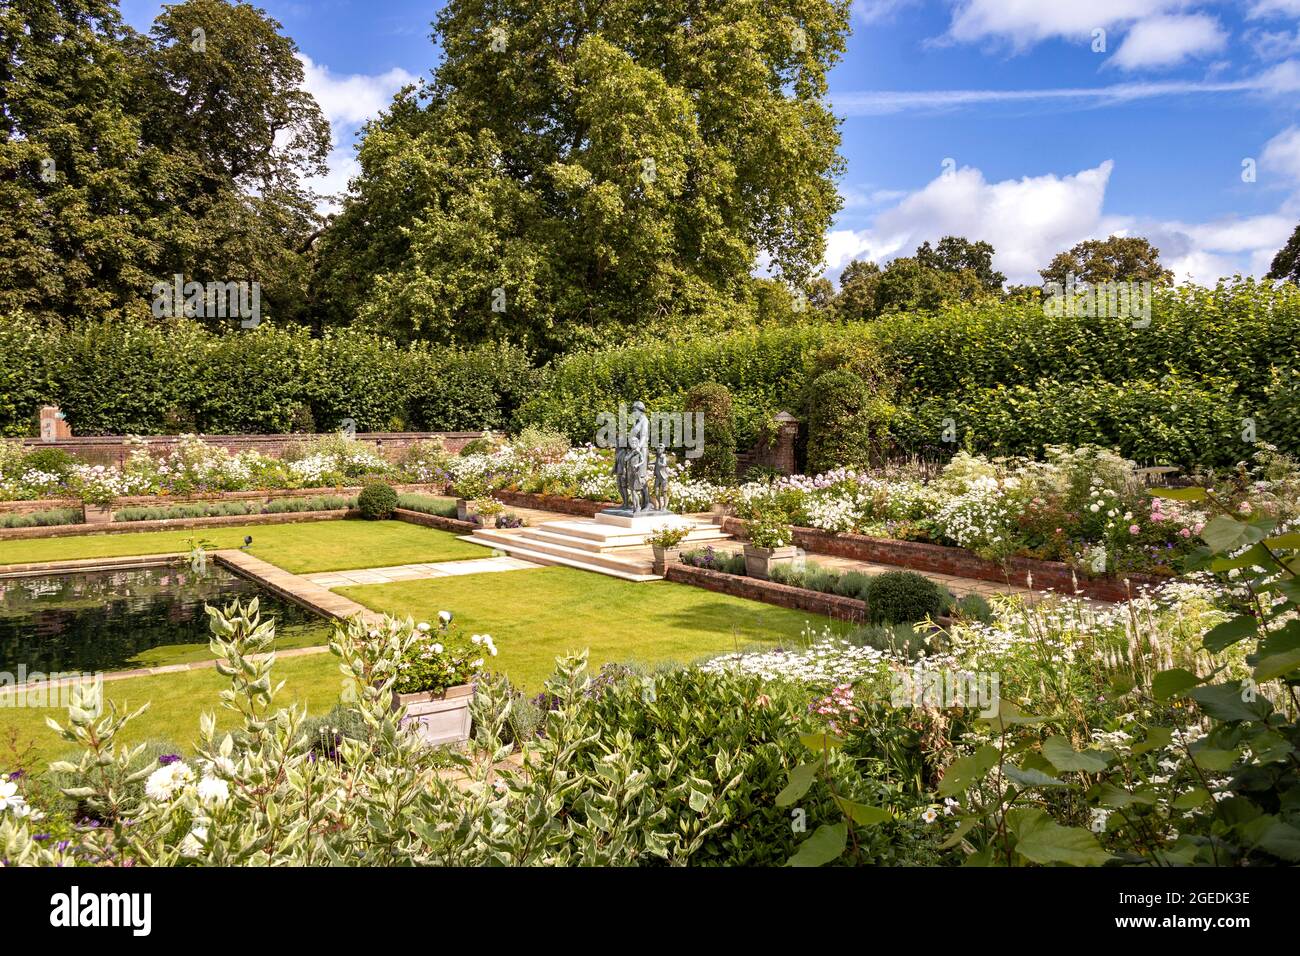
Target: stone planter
x,y
664,557
462,510
97,514
441,718
759,561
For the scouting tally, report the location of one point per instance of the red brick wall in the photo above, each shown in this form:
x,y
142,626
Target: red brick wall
x,y
769,592
435,521
940,559
565,506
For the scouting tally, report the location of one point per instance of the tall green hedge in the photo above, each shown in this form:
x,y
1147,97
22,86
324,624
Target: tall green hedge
x,y
113,378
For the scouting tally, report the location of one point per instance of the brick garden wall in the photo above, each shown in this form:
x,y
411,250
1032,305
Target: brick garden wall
x,y
940,559
769,592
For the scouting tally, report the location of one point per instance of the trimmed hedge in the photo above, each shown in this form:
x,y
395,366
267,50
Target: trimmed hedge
x,y
115,378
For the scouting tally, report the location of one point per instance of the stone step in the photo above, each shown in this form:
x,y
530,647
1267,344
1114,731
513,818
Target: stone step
x,y
547,533
618,536
541,552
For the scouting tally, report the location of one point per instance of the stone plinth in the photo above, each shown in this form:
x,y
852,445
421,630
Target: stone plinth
x,y
643,522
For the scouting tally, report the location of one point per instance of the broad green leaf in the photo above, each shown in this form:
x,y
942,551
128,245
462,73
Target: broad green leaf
x,y
1277,665
862,814
826,843
1196,797
1284,542
1223,533
1282,840
801,778
820,743
1009,714
698,801
1228,702
962,829
1029,779
1043,840
964,771
1109,795
1064,757
1213,759
1173,683
1157,737
1229,632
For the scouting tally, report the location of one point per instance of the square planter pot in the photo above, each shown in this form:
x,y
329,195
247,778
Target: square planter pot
x,y
97,514
664,557
758,561
462,509
441,718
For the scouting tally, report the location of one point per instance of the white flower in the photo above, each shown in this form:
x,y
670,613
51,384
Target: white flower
x,y
192,845
930,815
444,617
477,639
422,627
166,782
10,799
213,790
436,648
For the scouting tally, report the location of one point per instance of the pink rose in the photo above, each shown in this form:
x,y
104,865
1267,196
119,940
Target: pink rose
x,y
1134,529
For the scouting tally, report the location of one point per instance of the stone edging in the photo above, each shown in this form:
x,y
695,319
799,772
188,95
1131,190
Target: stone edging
x,y
942,559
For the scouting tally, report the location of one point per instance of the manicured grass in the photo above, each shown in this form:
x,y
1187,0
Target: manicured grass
x,y
303,548
536,615
175,703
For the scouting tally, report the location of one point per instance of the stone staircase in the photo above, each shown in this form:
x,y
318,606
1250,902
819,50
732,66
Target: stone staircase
x,y
607,544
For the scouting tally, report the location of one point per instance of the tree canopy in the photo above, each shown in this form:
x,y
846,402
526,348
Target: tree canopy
x,y
126,159
1116,259
569,172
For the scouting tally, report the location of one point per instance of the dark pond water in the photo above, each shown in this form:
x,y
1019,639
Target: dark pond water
x,y
136,617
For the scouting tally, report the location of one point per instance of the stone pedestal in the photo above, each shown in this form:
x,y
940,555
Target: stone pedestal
x,y
53,425
642,522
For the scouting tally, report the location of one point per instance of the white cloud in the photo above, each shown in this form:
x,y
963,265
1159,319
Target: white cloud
x,y
1280,79
873,11
1027,220
1165,41
1031,219
1023,23
1281,155
1270,8
348,101
1274,45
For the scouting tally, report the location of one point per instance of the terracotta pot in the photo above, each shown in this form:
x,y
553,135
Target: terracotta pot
x,y
442,717
759,561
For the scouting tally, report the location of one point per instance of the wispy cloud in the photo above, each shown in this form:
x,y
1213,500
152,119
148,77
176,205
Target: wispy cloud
x,y
1284,78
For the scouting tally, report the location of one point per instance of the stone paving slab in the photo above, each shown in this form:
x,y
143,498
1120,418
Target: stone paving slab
x,y
417,572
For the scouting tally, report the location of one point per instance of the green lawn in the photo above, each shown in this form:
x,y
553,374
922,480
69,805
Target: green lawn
x,y
175,703
536,615
303,548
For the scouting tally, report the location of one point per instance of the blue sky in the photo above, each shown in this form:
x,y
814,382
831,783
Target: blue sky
x,y
1049,141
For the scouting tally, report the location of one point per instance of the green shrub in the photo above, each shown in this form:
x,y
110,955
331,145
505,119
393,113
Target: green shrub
x,y
377,501
853,584
974,607
478,446
717,462
42,519
902,597
848,423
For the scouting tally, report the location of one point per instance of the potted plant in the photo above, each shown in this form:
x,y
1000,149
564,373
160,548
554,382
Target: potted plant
x,y
96,487
484,511
665,542
769,543
434,684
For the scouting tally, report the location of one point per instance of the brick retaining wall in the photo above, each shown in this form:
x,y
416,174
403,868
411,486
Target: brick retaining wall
x,y
435,521
769,592
941,559
163,501
567,506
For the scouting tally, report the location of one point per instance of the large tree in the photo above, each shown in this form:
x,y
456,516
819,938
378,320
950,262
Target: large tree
x,y
570,171
955,254
1116,259
1286,264
126,159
